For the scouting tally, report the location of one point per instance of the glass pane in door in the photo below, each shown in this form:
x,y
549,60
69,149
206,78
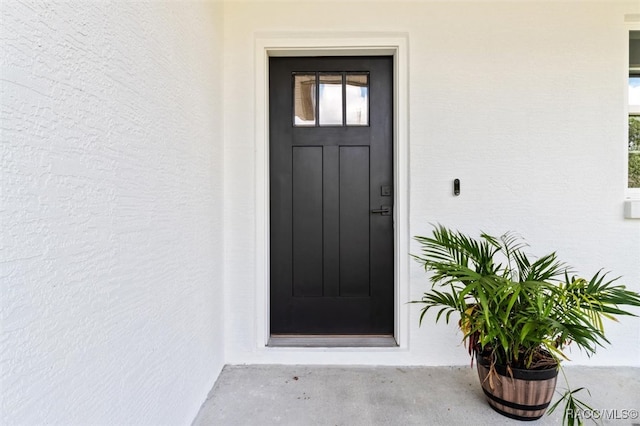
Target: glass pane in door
x,y
357,95
330,107
304,99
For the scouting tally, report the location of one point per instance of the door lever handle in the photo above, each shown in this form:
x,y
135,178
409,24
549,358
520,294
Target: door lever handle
x,y
383,210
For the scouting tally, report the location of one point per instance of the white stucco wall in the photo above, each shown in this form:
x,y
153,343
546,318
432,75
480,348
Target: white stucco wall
x,y
112,209
522,101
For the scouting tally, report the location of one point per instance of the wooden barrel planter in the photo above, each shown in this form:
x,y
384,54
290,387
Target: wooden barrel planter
x,y
525,396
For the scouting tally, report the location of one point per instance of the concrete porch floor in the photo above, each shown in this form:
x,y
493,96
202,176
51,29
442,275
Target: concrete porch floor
x,y
333,395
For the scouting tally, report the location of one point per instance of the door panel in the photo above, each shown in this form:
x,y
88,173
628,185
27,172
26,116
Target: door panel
x,y
307,221
331,256
354,221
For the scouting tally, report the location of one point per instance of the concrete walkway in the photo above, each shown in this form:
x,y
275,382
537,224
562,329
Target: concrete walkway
x,y
264,395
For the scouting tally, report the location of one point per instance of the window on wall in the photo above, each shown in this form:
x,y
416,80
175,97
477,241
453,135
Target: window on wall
x,y
634,110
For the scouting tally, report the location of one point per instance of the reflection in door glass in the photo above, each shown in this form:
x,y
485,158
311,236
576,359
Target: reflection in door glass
x,y
357,99
304,93
330,100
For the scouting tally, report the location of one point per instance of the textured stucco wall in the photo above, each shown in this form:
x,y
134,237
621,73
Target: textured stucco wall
x,y
111,208
522,101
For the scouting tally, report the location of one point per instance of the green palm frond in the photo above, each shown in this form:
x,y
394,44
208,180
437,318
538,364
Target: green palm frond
x,y
514,306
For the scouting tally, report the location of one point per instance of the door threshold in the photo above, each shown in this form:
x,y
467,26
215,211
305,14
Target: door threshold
x,y
331,341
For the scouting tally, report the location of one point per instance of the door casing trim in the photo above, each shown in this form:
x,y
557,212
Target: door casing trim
x,y
333,44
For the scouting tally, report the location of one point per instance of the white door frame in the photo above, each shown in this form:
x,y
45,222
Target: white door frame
x,y
372,44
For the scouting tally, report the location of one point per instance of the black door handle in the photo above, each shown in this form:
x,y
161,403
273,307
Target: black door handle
x,y
383,210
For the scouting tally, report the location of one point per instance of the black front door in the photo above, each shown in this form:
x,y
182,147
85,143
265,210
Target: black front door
x,y
331,186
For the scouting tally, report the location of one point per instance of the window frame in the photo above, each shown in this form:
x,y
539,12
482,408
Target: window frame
x,y
629,110
317,98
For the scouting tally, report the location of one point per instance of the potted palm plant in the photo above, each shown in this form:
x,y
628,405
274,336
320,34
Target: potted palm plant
x,y
517,315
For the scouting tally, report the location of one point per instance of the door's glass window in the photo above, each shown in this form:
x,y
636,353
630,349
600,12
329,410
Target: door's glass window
x,y
304,89
357,95
330,111
330,99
